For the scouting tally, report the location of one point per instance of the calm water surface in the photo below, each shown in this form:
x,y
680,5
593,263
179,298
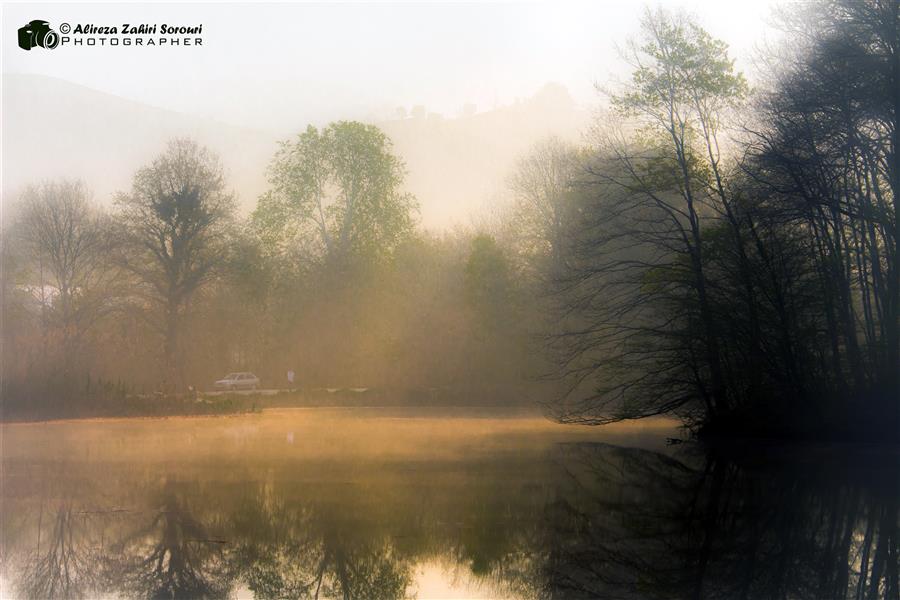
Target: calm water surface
x,y
394,503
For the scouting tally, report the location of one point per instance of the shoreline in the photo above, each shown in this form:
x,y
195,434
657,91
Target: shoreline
x,y
499,410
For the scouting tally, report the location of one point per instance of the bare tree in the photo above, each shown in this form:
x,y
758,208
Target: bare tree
x,y
69,244
175,226
827,163
543,183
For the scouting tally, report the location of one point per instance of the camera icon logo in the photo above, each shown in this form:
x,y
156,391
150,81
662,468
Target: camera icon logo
x,y
38,33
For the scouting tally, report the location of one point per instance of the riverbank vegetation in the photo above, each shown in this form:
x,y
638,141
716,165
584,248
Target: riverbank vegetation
x,y
724,252
736,260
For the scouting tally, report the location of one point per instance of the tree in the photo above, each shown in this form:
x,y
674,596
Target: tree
x,y
543,184
337,194
175,223
68,245
753,293
638,300
488,283
827,159
682,78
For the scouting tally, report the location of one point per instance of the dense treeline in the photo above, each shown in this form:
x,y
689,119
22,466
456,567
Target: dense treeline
x,y
170,289
726,254
736,258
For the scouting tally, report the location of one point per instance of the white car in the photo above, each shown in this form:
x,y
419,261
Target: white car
x,y
238,381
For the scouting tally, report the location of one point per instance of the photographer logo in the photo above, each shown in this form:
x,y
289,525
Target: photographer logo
x,y
38,34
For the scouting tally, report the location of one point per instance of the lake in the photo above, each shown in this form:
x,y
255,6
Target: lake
x,y
435,503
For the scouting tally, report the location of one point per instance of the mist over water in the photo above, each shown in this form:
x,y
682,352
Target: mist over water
x,y
390,503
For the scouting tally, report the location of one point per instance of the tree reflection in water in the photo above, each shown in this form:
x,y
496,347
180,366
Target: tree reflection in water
x,y
62,564
320,553
171,556
637,524
589,521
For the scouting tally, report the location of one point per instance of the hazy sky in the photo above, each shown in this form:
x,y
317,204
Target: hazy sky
x,y
278,66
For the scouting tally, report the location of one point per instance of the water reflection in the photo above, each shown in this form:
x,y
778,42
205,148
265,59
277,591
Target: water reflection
x,y
319,552
170,554
62,563
575,520
632,523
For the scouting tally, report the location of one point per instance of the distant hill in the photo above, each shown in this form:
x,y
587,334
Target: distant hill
x,y
53,128
458,165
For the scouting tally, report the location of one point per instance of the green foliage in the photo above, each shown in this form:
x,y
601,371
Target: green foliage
x,y
488,281
678,64
750,292
336,194
711,283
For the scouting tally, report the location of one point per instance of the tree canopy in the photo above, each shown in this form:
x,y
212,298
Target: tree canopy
x,y
337,193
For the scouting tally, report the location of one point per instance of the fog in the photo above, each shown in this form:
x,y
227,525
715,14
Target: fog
x,y
448,203
473,72
278,67
490,508
450,300
456,166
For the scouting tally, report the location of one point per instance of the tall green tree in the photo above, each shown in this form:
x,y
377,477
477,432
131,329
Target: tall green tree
x,y
682,79
337,195
641,321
